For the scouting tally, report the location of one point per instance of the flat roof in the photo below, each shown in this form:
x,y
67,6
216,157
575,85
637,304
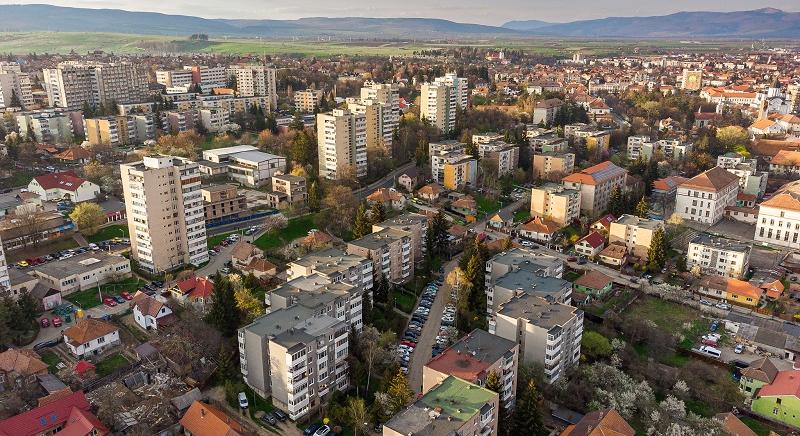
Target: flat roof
x,y
720,243
278,321
78,264
538,311
471,355
379,239
330,261
532,283
644,223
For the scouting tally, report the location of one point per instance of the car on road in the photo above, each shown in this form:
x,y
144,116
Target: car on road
x,y
706,302
108,301
280,414
57,322
738,349
243,403
126,295
269,418
119,299
572,259
311,429
44,322
22,264
323,431
581,261
723,306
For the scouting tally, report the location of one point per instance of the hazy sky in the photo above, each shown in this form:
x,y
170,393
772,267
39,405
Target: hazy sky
x,y
471,11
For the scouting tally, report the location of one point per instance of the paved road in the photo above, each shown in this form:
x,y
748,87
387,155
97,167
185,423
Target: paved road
x,y
386,182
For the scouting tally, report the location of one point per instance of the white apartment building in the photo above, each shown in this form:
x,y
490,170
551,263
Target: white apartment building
x,y
5,280
202,74
634,233
438,102
596,184
704,197
556,203
338,300
256,80
73,83
341,143
642,147
505,155
548,333
245,164
713,255
83,271
334,266
378,120
460,86
391,252
13,82
165,212
778,220
751,181
438,153
48,126
175,78
387,97
215,120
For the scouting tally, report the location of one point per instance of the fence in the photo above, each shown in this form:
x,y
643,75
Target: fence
x,y
228,221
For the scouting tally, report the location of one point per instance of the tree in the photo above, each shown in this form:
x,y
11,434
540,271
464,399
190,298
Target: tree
x,y
595,345
250,306
615,202
15,99
313,197
527,416
377,214
731,136
362,225
356,413
341,207
224,313
495,384
88,217
657,254
642,210
399,393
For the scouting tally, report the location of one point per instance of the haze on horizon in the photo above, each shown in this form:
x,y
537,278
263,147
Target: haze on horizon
x,y
493,12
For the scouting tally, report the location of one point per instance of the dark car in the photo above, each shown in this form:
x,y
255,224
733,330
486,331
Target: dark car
x,y
269,418
119,299
280,414
48,344
311,429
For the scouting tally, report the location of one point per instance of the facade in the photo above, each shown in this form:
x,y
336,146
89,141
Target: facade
x,y
703,198
544,112
256,80
634,233
165,212
548,333
175,78
63,186
504,155
642,147
440,100
215,120
590,245
83,271
148,311
390,251
779,400
72,84
759,373
778,221
440,153
553,165
222,202
48,126
292,187
342,301
751,181
415,224
713,255
785,163
334,266
380,105
556,203
119,130
733,291
341,144
90,337
14,83
472,359
5,279
460,171
307,100
454,406
593,283
245,164
596,184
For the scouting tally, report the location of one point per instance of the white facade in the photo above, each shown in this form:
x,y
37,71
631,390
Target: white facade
x,y
718,256
256,80
175,78
779,218
247,164
341,143
5,281
86,191
94,346
704,198
148,320
751,181
460,87
72,84
438,102
14,82
438,153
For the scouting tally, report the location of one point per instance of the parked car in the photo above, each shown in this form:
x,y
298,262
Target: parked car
x,y
243,403
738,349
269,418
322,431
44,322
48,343
108,301
723,306
311,429
119,299
281,415
57,322
706,302
572,259
125,295
714,325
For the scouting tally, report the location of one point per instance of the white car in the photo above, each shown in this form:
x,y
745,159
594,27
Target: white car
x,y
526,243
739,349
243,403
723,306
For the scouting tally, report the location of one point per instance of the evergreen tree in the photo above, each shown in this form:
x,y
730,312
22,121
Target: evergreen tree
x,y
15,99
527,417
224,313
297,123
642,210
380,289
313,197
616,204
657,254
399,393
377,214
495,384
362,225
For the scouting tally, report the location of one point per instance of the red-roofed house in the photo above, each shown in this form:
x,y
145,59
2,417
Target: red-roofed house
x,y
603,225
196,290
75,155
388,196
704,197
590,245
780,400
149,312
61,186
71,411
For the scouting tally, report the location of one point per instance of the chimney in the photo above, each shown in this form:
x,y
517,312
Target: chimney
x,y
202,412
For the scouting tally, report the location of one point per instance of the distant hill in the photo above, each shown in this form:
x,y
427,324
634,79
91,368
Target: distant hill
x,y
760,23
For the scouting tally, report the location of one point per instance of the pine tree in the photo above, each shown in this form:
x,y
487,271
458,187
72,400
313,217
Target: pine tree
x,y
224,313
642,210
495,384
657,254
313,197
362,225
377,214
527,417
399,393
15,99
615,202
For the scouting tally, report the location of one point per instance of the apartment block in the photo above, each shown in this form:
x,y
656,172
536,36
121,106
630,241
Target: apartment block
x,y
440,99
5,280
522,258
751,180
222,202
526,281
453,407
548,333
704,197
596,140
119,130
201,74
73,83
175,78
642,147
460,87
14,83
47,126
307,100
596,184
291,189
553,165
713,255
295,356
778,220
165,212
334,266
634,233
556,203
245,164
544,112
472,359
415,224
342,143
380,104
546,141
438,151
460,171
390,251
504,155
340,300
256,80
215,120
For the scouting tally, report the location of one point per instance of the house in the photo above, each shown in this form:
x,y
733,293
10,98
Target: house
x,y
590,245
149,312
600,423
203,419
90,337
786,163
196,290
772,289
317,240
760,372
731,290
77,155
733,426
593,282
603,225
539,229
18,367
544,112
63,186
502,221
615,254
765,127
70,415
429,192
388,197
260,268
243,253
409,179
780,399
466,206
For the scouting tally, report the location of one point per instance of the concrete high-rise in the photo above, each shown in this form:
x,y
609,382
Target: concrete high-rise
x,y
71,84
380,104
256,80
14,83
165,212
341,143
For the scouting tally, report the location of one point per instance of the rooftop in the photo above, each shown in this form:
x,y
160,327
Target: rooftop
x,y
599,173
538,311
278,321
720,243
712,180
79,264
379,239
330,261
642,223
533,283
471,355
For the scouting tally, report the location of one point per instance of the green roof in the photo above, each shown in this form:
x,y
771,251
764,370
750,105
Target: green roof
x,y
457,398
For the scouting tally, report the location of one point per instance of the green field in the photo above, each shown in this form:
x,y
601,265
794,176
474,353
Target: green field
x,y
110,364
110,232
296,228
404,301
487,205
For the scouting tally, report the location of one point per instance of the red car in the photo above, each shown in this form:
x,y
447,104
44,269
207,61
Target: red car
x,y
409,343
572,259
109,302
57,321
125,295
45,322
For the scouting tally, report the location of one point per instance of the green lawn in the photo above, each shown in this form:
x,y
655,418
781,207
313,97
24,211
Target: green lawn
x,y
296,228
213,241
487,205
88,298
522,215
110,232
571,276
404,301
110,364
18,178
571,234
757,426
665,314
51,359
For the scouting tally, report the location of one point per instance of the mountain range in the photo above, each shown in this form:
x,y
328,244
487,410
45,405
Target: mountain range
x,y
760,23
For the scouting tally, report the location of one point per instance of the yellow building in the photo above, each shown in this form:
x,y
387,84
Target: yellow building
x,y
460,172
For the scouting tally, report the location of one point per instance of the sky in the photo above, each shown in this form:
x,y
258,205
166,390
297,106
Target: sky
x,y
493,12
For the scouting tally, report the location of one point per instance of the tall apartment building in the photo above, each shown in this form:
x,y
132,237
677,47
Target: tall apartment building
x,y
779,218
295,356
13,82
256,80
751,180
504,155
5,280
522,258
437,153
334,266
175,78
390,251
245,164
460,87
307,100
556,203
119,130
165,212
341,143
380,104
202,74
719,256
438,102
553,165
596,184
472,358
548,333
704,197
71,84
415,224
47,126
634,233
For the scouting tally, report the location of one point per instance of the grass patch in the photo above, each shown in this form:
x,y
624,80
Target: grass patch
x,y
571,276
699,408
110,232
666,315
51,359
110,364
89,298
522,215
213,241
296,228
404,301
18,178
571,234
757,426
487,205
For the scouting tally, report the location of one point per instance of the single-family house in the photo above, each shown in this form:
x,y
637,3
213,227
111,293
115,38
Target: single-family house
x,y
780,399
603,225
466,206
539,229
760,372
429,192
196,290
600,423
243,253
409,179
590,245
149,312
63,186
501,221
388,197
90,337
19,366
615,255
78,155
593,282
732,425
729,289
203,419
70,415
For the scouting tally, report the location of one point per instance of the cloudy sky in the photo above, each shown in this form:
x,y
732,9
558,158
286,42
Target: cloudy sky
x,y
471,11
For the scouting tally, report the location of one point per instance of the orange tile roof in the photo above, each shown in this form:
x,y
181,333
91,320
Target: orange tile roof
x,y
593,279
787,158
600,423
733,426
87,330
431,189
206,420
385,195
540,225
762,124
786,383
712,180
788,197
596,174
770,147
21,361
668,183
